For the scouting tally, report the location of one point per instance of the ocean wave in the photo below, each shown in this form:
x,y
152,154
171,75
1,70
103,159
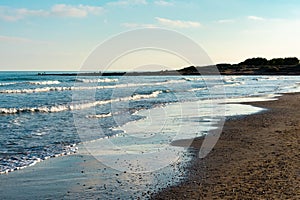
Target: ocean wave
x,y
13,163
231,84
71,107
43,82
35,90
230,78
99,116
197,89
31,83
51,89
6,84
193,79
106,80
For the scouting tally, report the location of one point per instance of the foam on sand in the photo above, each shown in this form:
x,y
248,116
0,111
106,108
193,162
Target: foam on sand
x,y
13,163
270,97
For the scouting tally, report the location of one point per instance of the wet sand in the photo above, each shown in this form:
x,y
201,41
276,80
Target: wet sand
x,y
256,157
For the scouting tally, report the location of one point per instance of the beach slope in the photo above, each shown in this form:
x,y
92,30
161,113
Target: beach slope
x,y
256,157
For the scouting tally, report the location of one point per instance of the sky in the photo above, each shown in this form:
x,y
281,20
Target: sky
x,y
51,35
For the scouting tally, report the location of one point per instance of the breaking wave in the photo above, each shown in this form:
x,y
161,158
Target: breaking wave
x,y
193,79
50,89
197,89
231,84
70,107
13,163
6,84
44,82
31,83
106,80
100,116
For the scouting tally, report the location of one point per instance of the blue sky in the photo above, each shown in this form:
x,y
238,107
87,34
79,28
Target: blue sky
x,y
60,34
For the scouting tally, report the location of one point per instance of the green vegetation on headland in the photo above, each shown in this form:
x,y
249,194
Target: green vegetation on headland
x,y
251,66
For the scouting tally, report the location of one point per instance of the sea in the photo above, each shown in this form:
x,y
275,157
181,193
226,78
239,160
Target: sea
x,y
117,117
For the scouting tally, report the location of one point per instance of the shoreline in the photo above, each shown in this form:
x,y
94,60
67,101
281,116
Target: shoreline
x,y
80,175
256,157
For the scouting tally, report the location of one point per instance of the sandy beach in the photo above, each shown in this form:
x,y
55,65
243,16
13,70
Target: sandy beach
x,y
256,157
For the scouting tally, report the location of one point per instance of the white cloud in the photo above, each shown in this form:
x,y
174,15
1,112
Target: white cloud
x,y
163,3
256,18
225,21
10,18
127,2
9,14
27,12
164,22
177,23
59,10
64,10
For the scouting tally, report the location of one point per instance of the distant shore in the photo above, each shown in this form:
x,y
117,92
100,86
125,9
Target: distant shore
x,y
170,73
251,66
256,157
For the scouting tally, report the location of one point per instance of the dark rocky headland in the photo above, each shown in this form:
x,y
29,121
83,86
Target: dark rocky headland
x,y
251,66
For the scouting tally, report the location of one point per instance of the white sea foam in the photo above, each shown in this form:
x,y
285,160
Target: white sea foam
x,y
17,163
267,97
70,107
106,80
291,89
35,90
197,89
9,83
231,84
230,80
273,78
31,83
202,78
230,77
50,89
193,79
99,116
43,82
